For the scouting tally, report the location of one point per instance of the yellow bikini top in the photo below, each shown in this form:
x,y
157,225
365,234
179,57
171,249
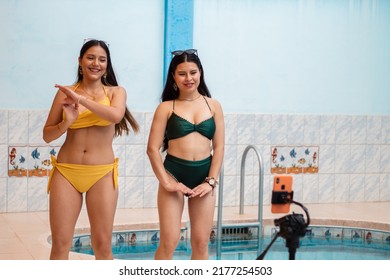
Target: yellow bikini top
x,y
87,118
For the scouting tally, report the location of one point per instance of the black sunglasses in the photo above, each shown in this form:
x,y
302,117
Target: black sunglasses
x,y
189,51
93,39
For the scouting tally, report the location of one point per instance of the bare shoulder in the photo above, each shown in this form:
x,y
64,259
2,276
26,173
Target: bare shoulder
x,y
116,89
165,106
214,104
164,109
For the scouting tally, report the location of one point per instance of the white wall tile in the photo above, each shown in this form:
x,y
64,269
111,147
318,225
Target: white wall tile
x,y
310,188
356,189
36,122
280,128
231,129
385,132
373,153
230,160
37,197
343,130
3,195
17,127
4,126
150,192
359,130
311,130
326,188
358,165
385,159
137,138
17,194
266,190
4,160
297,187
135,157
384,192
327,159
245,129
372,187
341,191
358,159
343,159
262,129
231,191
295,129
134,192
328,130
374,128
121,193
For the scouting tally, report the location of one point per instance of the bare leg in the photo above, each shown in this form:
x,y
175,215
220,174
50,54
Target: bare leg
x,y
201,213
65,204
101,202
170,210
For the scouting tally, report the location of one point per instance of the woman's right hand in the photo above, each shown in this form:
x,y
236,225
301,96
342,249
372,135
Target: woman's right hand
x,y
70,104
71,112
179,187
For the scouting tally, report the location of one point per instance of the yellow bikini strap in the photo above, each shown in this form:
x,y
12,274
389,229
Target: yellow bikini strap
x,y
78,84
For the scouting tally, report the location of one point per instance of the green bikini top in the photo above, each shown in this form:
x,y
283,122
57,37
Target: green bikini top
x,y
179,127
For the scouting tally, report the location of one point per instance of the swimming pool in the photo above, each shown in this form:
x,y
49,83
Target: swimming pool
x,y
319,243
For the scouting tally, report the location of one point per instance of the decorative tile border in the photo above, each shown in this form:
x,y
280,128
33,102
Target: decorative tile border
x,y
26,161
292,159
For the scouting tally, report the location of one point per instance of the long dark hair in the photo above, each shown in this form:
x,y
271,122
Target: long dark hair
x,y
170,93
109,79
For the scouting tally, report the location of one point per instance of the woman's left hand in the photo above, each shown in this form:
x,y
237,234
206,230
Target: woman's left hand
x,y
202,190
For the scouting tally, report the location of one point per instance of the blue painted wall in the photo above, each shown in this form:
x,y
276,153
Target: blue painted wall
x,y
178,29
321,56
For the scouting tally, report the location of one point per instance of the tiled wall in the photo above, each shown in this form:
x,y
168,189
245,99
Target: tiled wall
x,y
353,159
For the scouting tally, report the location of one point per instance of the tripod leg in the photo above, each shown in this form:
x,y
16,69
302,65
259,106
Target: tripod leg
x,y
291,254
262,255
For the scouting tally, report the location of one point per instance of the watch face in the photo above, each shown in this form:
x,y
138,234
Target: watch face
x,y
212,181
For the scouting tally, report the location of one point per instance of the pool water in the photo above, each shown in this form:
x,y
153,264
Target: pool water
x,y
319,243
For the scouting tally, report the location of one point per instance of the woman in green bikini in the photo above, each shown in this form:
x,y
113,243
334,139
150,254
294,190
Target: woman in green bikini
x,y
189,126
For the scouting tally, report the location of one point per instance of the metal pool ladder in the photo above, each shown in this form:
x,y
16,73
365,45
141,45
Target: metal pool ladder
x,y
259,222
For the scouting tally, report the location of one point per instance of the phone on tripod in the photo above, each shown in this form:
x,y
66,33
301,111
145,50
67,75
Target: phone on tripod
x,y
282,190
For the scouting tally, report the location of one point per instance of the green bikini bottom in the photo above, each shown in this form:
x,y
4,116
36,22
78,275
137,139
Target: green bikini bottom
x,y
190,173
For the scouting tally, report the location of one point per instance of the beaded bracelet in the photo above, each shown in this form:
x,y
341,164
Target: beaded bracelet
x,y
59,128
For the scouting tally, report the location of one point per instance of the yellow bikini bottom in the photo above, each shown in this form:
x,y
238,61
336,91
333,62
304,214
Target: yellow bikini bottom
x,y
83,177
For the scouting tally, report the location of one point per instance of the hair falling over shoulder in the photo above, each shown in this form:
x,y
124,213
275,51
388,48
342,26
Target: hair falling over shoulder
x,y
123,125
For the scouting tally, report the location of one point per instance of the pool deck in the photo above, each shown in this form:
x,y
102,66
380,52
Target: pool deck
x,y
24,236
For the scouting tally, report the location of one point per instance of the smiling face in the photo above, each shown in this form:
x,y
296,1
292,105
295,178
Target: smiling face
x,y
187,77
93,63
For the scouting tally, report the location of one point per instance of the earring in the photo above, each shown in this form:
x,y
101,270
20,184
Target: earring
x,y
105,76
175,86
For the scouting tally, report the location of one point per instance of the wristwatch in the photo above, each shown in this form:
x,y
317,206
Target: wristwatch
x,y
211,181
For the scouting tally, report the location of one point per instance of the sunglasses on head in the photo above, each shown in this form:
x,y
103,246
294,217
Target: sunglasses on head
x,y
93,39
189,51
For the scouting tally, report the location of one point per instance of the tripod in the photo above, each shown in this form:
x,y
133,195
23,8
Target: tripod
x,y
291,228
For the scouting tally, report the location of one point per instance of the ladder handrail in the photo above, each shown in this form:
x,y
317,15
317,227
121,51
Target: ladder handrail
x,y
219,218
242,180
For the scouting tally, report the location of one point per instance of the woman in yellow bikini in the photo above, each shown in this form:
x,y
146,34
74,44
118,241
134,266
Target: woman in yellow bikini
x,y
91,112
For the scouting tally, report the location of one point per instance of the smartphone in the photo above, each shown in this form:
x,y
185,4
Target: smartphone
x,y
282,188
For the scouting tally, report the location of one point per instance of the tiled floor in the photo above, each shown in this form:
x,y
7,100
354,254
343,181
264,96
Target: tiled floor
x,y
24,236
